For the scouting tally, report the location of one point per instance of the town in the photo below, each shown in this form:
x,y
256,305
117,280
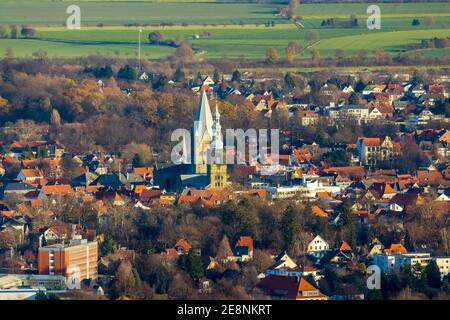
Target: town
x,y
92,207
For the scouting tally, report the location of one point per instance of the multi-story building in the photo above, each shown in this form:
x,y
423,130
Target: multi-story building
x,y
76,256
358,113
372,151
395,262
385,261
412,259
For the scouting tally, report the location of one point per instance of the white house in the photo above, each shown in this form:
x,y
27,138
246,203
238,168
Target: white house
x,y
283,263
395,207
374,113
348,89
318,247
444,265
30,175
443,197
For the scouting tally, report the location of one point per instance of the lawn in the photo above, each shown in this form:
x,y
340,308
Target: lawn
x,y
228,38
145,12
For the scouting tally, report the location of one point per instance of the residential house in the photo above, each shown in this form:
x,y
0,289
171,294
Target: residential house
x,y
443,264
396,248
289,288
30,175
372,151
318,247
243,250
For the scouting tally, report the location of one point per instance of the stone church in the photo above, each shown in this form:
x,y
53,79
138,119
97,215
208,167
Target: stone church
x,y
205,168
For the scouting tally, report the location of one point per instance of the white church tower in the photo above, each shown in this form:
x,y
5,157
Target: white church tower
x,y
202,134
217,139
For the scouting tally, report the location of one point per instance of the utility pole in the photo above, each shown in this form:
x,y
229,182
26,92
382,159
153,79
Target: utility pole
x,y
139,58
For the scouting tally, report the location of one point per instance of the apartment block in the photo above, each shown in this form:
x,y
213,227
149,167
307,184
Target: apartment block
x,y
77,255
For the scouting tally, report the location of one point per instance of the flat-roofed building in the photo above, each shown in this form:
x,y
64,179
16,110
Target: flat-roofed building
x,y
77,255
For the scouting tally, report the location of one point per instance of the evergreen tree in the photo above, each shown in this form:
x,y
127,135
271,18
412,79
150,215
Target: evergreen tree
x,y
408,241
216,76
127,73
180,75
192,264
236,76
290,227
138,161
433,275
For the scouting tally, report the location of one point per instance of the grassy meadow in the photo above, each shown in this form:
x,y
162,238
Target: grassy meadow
x,y
236,30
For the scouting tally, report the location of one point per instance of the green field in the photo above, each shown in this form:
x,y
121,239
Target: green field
x,y
237,30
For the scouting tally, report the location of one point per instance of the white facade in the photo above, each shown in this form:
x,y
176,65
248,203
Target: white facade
x,y
412,259
286,192
318,247
395,262
444,265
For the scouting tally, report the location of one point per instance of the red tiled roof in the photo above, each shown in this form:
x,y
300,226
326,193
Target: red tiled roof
x,y
144,171
245,241
371,142
32,173
396,248
183,244
147,195
345,247
318,212
261,193
57,189
432,177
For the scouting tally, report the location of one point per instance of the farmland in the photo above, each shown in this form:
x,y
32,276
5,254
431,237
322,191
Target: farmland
x,y
233,30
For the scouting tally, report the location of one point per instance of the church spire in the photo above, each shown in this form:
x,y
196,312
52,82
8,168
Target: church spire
x,y
217,138
204,116
202,130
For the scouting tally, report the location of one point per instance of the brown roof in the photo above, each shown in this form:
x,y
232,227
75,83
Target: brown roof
x,y
32,173
147,195
429,177
57,189
188,199
146,172
405,199
260,193
354,171
302,155
382,188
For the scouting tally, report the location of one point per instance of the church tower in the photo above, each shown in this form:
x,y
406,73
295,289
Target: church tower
x,y
217,139
207,144
217,170
202,134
